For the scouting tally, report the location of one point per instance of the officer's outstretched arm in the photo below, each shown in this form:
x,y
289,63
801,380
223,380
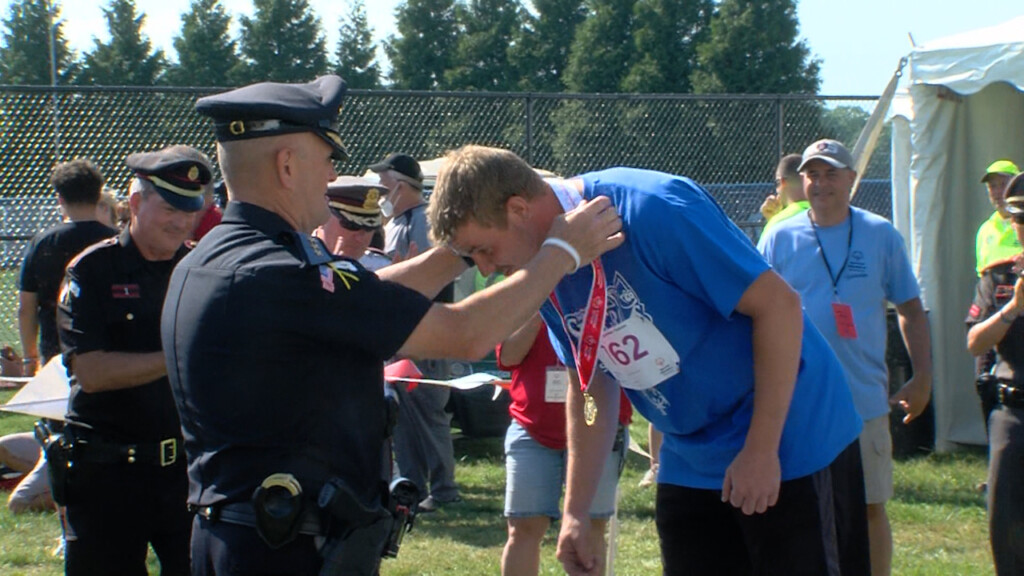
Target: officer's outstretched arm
x,y
426,273
470,329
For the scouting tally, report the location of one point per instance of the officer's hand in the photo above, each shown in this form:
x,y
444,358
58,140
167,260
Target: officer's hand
x,y
752,481
913,397
771,206
593,228
574,547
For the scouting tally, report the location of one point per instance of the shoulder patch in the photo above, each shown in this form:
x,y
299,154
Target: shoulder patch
x,y
974,312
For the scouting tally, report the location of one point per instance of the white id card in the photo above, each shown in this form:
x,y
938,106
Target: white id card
x,y
556,385
637,354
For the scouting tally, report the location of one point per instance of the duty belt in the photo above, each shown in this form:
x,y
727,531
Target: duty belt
x,y
242,513
1010,396
97,451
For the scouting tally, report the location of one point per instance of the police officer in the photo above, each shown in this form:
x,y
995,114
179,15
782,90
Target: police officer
x,y
994,321
355,218
127,486
275,348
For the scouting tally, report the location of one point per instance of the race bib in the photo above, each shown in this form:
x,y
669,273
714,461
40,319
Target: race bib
x,y
637,354
556,385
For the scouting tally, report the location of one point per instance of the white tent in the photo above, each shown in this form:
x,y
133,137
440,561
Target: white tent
x,y
962,110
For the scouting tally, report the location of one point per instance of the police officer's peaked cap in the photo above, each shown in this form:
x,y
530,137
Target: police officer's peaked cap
x,y
403,164
1015,195
356,200
271,109
178,176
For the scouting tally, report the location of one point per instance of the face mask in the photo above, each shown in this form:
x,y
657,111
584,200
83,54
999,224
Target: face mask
x,y
387,209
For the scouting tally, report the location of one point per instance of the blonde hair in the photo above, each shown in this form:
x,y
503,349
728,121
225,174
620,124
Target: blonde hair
x,y
475,182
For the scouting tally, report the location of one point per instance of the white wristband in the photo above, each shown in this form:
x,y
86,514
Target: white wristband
x,y
559,243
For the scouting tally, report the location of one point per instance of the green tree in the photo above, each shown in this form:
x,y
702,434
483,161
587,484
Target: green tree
x,y
425,45
25,52
603,47
541,48
753,49
282,42
845,123
128,59
206,52
666,35
357,52
488,29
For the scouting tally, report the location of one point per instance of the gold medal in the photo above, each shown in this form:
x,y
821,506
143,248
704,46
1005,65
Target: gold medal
x,y
589,409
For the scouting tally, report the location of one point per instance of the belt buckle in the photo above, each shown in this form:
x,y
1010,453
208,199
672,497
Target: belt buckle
x,y
168,452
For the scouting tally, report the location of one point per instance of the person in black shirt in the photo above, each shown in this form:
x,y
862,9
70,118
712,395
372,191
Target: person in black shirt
x,y
994,320
78,184
275,348
126,486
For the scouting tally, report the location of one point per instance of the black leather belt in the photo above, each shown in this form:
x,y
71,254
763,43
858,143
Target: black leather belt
x,y
1010,396
242,513
94,450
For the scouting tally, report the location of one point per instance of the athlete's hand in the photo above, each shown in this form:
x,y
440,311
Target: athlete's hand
x,y
574,548
592,228
752,481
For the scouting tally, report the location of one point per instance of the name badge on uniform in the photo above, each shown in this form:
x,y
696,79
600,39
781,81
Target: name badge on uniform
x,y
844,320
125,291
556,385
637,354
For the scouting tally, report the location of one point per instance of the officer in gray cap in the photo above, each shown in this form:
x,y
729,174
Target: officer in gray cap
x,y
125,487
276,347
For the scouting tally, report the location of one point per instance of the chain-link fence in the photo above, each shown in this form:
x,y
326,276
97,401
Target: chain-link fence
x,y
730,144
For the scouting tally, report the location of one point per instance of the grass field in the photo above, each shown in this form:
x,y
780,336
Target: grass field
x,y
938,518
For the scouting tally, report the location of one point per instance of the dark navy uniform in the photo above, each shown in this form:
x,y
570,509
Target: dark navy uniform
x,y
1006,422
42,270
128,486
275,353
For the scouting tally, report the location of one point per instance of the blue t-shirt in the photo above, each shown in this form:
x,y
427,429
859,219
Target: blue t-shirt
x,y
682,270
877,270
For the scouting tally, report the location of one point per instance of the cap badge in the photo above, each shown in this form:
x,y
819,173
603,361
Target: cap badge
x,y
825,147
193,173
372,198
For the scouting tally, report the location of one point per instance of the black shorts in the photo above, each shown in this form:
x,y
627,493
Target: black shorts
x,y
818,526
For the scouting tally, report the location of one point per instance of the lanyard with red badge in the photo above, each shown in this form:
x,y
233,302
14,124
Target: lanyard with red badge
x,y
590,338
843,313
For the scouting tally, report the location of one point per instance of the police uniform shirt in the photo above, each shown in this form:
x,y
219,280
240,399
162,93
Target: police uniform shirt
x,y
275,352
111,301
42,270
994,290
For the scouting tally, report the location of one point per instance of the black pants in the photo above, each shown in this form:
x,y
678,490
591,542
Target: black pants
x,y
818,527
222,548
115,511
1006,490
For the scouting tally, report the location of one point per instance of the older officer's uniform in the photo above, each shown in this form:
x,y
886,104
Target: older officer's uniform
x,y
1006,422
126,485
355,204
277,372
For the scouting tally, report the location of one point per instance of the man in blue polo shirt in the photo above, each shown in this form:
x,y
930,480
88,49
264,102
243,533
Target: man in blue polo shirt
x,y
760,467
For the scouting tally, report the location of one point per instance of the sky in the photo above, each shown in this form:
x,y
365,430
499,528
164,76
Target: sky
x,y
858,42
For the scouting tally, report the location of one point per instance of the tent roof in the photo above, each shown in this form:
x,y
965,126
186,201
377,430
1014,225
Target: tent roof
x,y
967,62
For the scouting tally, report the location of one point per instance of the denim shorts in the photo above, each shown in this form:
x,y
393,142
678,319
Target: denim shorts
x,y
535,474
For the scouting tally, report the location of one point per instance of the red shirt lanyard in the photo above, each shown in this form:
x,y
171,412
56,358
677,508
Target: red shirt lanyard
x,y
590,337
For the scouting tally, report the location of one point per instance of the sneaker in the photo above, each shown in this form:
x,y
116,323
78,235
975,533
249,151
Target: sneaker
x,y
431,504
649,478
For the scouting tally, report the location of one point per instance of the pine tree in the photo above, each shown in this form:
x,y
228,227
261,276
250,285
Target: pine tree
x,y
753,49
206,52
128,59
666,35
282,42
488,29
357,52
603,47
425,45
541,49
25,57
